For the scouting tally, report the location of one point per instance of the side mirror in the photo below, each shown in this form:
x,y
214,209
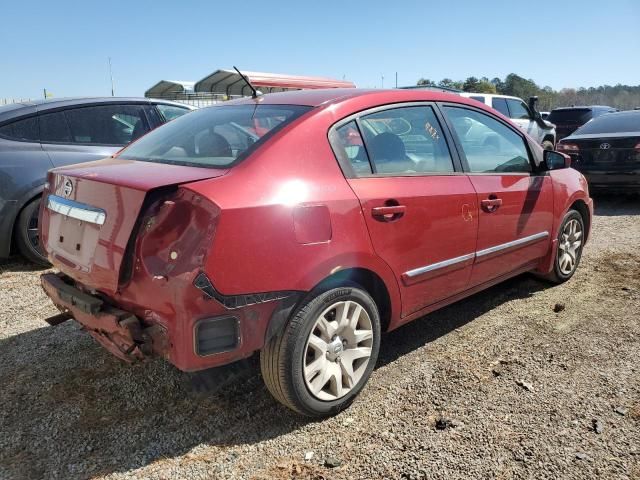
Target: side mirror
x,y
555,160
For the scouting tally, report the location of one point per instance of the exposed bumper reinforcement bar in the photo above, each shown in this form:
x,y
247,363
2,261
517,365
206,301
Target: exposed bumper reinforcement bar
x,y
118,331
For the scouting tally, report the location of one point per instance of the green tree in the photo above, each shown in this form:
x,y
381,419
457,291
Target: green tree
x,y
426,82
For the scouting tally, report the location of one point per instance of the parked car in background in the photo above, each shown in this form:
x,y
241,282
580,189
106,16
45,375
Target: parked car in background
x,y
607,151
524,116
37,136
348,213
568,119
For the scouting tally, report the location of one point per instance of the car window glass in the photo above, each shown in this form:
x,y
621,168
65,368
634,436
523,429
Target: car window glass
x,y
518,109
351,148
406,140
488,145
500,104
623,122
25,129
107,124
213,137
171,112
477,98
53,128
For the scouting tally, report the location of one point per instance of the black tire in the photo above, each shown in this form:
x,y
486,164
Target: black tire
x,y
547,145
282,359
558,274
26,234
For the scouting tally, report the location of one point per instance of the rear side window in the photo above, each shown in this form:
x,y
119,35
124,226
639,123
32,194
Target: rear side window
x,y
477,98
405,140
54,128
171,112
24,130
107,124
500,104
489,146
518,110
350,147
213,136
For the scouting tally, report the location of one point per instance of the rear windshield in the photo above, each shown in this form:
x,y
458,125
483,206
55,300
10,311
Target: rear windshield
x,y
213,137
571,115
612,123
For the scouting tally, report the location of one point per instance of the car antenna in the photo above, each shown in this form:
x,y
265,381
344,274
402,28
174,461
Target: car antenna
x,y
256,93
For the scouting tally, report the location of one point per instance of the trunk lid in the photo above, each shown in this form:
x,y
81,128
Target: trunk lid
x,y
609,152
91,210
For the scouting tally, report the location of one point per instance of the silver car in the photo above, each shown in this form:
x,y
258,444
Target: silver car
x,y
37,136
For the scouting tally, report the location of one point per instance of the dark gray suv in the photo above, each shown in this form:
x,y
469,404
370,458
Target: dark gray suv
x,y
37,136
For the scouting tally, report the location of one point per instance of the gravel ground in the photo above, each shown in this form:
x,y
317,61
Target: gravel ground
x,y
496,386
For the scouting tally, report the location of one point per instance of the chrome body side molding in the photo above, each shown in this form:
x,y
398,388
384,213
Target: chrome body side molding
x,y
429,271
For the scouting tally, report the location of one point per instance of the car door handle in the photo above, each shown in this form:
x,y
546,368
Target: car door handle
x,y
491,204
388,213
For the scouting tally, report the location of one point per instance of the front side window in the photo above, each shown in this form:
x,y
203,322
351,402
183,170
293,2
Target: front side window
x,y
489,146
107,124
405,140
213,136
171,112
518,109
24,130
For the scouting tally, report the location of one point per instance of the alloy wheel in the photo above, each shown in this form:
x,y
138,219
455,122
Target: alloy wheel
x,y
569,246
338,350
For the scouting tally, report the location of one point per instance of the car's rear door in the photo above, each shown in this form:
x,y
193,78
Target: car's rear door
x,y
84,133
419,207
516,205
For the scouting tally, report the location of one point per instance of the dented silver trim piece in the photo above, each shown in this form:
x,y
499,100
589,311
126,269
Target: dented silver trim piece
x,y
478,254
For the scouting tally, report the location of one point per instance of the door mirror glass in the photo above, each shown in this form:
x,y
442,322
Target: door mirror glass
x,y
556,160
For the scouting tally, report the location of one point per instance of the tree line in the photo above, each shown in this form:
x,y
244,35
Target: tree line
x,y
623,97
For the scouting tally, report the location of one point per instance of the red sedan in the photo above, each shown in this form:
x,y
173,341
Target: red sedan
x,y
347,214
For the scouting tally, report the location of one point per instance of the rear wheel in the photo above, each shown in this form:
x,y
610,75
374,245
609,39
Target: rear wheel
x,y
324,356
570,244
27,236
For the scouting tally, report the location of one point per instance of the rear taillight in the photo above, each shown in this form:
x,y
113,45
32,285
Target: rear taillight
x,y
567,147
637,147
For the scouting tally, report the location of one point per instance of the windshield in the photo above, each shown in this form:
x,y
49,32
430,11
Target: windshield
x,y
612,123
214,136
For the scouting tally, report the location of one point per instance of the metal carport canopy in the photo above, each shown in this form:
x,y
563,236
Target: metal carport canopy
x,y
166,87
228,82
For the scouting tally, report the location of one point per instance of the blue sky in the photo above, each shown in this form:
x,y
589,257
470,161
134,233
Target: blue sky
x,y
64,45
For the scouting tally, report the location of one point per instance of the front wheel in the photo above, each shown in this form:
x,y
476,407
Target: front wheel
x,y
547,145
324,356
570,244
27,236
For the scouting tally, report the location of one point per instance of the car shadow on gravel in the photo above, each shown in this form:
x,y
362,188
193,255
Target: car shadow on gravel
x,y
17,263
70,410
441,322
606,204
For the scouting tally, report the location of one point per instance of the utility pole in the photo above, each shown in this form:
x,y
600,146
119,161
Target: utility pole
x,y
382,75
45,93
396,79
111,75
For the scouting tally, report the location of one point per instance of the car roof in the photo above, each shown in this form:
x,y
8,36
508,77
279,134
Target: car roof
x,y
584,107
13,110
322,97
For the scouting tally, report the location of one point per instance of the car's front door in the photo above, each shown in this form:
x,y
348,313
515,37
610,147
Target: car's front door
x,y
516,205
420,209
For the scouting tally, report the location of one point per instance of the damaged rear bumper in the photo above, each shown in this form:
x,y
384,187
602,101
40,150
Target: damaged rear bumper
x,y
120,332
